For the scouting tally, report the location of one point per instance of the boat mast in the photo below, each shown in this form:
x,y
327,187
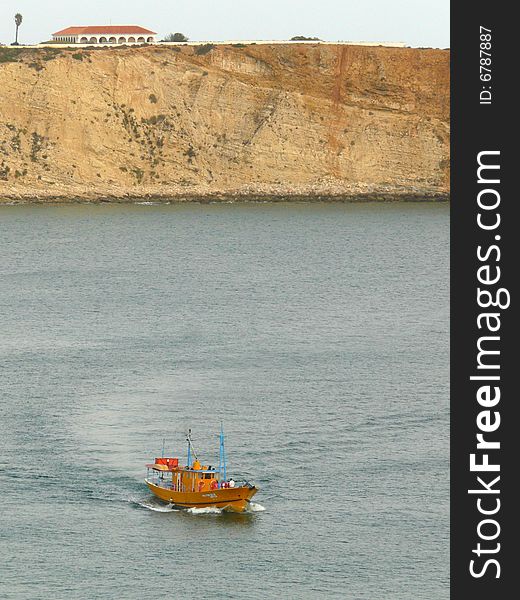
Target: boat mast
x,y
188,439
222,454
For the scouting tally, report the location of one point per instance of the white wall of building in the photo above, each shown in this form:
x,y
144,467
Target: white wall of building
x,y
105,39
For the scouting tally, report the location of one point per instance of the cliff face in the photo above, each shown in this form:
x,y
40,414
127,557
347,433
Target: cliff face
x,y
184,121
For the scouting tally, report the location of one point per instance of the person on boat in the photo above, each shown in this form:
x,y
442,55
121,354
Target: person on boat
x,y
231,483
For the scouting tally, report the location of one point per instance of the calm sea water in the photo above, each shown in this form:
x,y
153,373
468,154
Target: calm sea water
x,y
318,334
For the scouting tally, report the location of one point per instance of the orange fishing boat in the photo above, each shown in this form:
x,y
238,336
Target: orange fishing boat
x,y
196,485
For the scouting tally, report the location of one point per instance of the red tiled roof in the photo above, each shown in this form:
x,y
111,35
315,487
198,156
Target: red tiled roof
x,y
105,29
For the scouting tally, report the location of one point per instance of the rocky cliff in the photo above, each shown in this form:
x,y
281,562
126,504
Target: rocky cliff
x,y
287,120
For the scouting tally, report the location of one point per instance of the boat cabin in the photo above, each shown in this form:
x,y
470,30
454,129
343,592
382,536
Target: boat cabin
x,y
166,473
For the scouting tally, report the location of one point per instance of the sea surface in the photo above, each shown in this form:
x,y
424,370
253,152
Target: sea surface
x,y
316,333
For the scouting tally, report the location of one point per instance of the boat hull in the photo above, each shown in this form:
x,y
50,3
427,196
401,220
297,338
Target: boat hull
x,y
228,499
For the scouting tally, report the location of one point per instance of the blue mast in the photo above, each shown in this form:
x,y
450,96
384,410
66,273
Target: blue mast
x,y
222,454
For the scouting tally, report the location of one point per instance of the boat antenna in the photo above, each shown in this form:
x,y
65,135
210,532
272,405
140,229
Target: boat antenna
x,y
190,448
163,441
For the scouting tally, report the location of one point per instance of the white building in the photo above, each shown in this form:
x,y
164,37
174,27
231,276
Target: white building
x,y
105,34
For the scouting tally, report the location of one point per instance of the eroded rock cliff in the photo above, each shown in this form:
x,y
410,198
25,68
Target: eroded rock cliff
x,y
224,121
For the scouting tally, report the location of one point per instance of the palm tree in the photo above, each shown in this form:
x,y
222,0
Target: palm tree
x,y
18,20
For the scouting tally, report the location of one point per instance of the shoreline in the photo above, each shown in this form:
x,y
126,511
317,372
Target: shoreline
x,y
204,195
52,201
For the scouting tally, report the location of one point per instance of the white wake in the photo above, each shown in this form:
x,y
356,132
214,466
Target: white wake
x,y
151,505
208,510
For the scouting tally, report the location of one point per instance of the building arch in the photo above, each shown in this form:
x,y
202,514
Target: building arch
x,y
112,40
131,39
102,40
150,40
140,40
93,40
121,40
83,40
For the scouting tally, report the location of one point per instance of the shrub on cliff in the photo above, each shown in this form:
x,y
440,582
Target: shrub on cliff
x,y
10,54
175,37
204,49
302,38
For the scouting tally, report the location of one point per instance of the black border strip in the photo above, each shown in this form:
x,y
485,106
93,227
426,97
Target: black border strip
x,y
477,128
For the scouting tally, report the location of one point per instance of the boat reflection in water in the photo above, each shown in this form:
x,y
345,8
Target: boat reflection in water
x,y
198,486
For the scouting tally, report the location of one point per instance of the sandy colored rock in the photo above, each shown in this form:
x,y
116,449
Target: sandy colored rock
x,y
224,122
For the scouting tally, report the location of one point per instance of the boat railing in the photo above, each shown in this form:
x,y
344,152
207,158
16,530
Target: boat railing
x,y
159,480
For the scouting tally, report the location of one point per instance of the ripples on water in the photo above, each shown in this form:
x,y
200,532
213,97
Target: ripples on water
x,y
317,333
